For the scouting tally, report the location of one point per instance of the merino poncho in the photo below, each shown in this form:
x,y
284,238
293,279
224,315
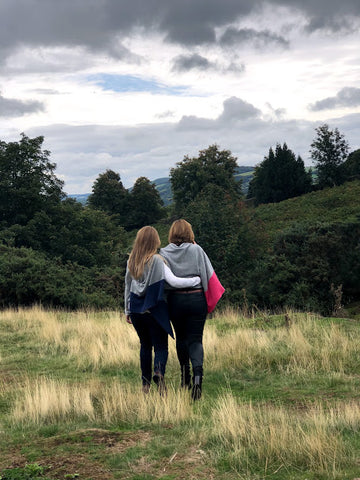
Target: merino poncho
x,y
189,259
147,293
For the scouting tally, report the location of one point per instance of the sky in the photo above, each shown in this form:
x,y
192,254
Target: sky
x,y
135,86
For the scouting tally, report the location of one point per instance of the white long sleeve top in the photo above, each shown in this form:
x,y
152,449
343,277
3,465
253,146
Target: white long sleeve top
x,y
179,282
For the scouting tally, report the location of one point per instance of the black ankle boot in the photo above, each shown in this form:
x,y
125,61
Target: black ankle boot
x,y
197,387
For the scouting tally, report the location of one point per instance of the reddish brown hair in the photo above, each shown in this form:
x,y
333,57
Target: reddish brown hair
x,y
181,232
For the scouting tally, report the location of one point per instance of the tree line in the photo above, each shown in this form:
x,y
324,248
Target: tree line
x,y
58,252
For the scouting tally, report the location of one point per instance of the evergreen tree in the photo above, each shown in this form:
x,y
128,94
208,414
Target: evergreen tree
x,y
27,180
110,196
329,150
145,206
279,176
192,175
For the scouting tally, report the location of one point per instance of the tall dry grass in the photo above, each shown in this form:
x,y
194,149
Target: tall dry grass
x,y
45,400
93,339
305,345
249,436
273,437
128,404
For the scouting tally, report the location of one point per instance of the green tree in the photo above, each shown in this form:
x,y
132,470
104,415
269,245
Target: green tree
x,y
306,264
222,228
352,165
73,233
329,150
145,206
279,176
110,196
27,180
212,166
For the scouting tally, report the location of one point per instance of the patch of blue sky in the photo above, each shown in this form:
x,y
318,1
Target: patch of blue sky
x,y
130,83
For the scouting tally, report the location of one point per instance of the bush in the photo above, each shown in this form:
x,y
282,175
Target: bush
x,y
310,267
28,277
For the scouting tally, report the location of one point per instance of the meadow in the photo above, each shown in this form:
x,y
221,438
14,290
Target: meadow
x,y
280,400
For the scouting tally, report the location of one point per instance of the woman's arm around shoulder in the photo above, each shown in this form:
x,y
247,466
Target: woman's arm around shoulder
x,y
179,282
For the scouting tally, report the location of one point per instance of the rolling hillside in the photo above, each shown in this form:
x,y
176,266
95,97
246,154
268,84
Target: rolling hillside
x,y
331,205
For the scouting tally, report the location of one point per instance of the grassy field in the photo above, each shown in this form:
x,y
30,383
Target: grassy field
x,y
280,400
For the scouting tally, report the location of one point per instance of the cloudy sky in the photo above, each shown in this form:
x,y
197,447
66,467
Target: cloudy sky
x,y
134,86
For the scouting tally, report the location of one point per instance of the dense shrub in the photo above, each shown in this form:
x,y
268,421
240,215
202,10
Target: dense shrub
x,y
28,277
311,267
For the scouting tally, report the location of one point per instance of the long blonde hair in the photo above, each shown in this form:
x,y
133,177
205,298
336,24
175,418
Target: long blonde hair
x,y
145,246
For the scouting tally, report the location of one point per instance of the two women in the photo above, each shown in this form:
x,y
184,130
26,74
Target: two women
x,y
192,294
145,306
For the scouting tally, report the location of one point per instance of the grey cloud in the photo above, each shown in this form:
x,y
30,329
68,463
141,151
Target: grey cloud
x,y
326,14
86,23
277,113
194,23
237,109
70,60
320,22
346,97
185,63
260,39
189,62
192,123
98,25
11,107
236,67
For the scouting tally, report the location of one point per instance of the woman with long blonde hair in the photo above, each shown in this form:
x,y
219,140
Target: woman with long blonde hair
x,y
145,306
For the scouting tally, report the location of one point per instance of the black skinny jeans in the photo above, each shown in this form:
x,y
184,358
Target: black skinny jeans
x,y
188,315
151,334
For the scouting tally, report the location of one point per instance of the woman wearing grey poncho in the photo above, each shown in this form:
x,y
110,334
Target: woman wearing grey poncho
x,y
188,307
145,307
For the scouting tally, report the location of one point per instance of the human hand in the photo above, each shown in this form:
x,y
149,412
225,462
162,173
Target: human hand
x,y
128,319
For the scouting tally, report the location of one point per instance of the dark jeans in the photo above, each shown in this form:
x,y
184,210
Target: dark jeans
x,y
151,335
188,314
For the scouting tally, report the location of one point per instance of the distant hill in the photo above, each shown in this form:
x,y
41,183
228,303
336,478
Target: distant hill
x,y
244,174
79,197
163,186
